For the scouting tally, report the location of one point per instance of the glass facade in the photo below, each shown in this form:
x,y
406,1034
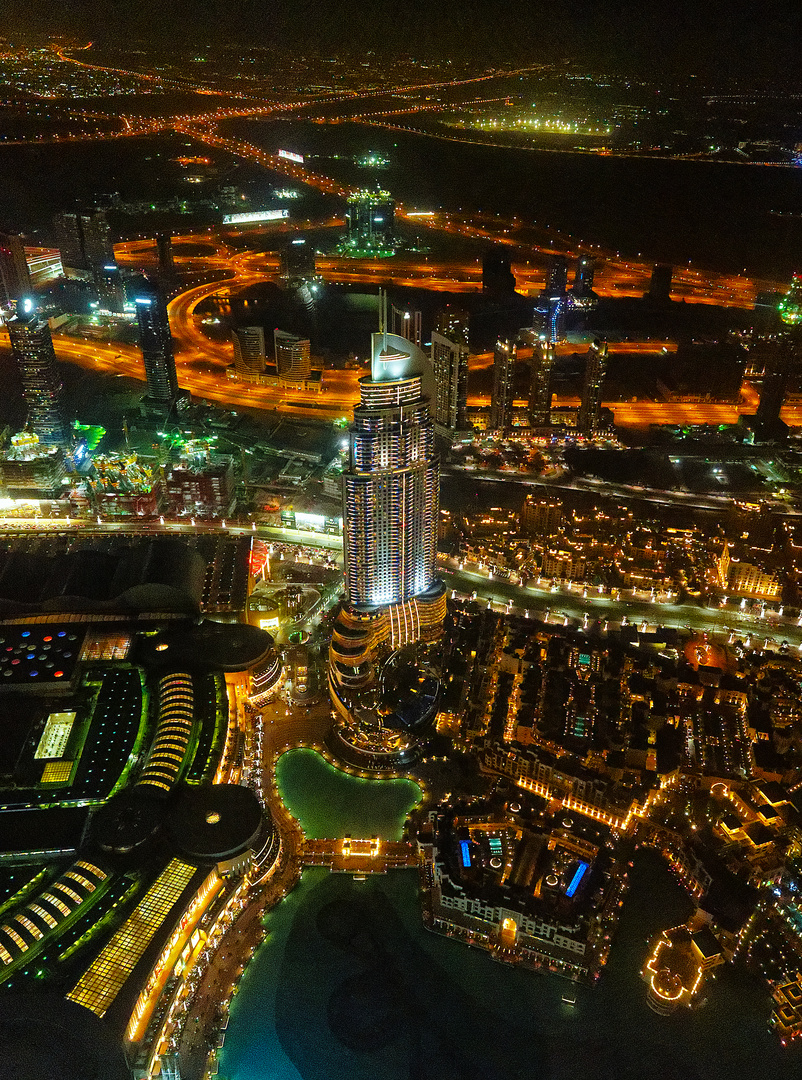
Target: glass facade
x,y
32,348
392,488
157,347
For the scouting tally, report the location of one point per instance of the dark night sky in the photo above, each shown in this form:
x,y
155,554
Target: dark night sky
x,y
723,36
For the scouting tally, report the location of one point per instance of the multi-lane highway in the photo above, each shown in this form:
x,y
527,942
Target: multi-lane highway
x,y
573,606
579,607
202,362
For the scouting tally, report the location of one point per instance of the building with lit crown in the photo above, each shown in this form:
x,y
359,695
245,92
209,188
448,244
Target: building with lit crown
x,y
391,490
589,420
371,218
156,344
15,278
790,307
32,349
540,384
505,355
391,497
450,363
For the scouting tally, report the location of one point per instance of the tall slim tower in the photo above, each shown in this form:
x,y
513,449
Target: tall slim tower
x,y
777,365
406,322
393,598
590,407
453,323
660,283
96,239
156,344
32,348
450,363
540,384
391,491
556,276
110,288
15,278
69,241
164,248
371,218
504,357
583,277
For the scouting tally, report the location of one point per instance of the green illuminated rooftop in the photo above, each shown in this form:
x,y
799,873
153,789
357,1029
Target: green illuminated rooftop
x,y
790,307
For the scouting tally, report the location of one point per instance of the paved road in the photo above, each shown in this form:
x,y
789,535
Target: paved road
x,y
574,605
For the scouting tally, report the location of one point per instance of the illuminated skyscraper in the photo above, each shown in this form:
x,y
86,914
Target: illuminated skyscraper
x,y
371,218
450,364
32,348
156,343
84,240
551,305
249,350
583,277
110,290
556,276
164,248
790,307
406,322
391,491
391,495
549,316
293,359
15,279
504,357
589,417
453,323
540,384
96,239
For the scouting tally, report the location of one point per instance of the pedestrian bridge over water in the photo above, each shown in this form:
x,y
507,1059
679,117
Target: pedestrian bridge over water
x,y
349,856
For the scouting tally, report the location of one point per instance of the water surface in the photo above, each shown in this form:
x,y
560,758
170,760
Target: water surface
x,y
350,985
329,803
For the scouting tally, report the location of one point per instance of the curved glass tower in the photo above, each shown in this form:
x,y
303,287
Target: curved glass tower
x,y
392,488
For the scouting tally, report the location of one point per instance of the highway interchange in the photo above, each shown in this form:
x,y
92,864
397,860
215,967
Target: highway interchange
x,y
202,362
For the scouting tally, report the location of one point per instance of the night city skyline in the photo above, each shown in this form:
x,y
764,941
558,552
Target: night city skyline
x,y
401,540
